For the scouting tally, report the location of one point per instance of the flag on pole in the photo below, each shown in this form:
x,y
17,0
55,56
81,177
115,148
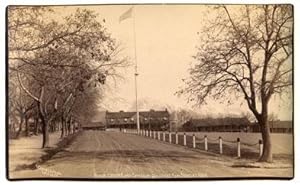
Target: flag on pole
x,y
126,15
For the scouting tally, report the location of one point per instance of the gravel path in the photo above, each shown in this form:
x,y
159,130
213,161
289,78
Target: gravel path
x,y
100,154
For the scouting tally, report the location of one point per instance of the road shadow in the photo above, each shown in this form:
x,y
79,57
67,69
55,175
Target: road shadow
x,y
134,156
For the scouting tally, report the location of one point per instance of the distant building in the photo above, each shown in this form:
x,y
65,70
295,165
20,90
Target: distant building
x,y
276,126
94,126
217,125
152,120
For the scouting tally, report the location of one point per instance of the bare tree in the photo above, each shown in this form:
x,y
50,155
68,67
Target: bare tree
x,y
20,106
61,60
246,51
181,116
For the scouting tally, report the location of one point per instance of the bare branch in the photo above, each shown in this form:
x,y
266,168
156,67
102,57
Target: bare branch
x,y
27,91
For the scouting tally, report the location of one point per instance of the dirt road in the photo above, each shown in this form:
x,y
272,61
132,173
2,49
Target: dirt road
x,y
100,154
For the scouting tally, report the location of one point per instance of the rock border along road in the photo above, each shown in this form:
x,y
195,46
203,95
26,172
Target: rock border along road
x,y
105,154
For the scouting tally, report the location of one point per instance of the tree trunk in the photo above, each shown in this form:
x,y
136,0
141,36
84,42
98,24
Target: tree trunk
x,y
20,127
267,144
62,127
26,126
45,133
36,126
57,126
45,124
74,127
13,127
68,127
51,126
71,126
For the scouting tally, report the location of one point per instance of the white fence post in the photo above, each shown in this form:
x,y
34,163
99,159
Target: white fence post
x,y
221,145
150,133
176,138
194,141
164,136
205,143
184,139
261,147
170,137
147,133
158,136
154,134
238,147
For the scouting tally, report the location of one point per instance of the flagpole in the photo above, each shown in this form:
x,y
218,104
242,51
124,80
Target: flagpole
x,y
135,76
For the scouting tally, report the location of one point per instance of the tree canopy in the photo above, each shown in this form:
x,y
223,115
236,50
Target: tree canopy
x,y
245,51
61,64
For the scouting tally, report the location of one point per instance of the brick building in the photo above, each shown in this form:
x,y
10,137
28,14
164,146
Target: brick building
x,y
276,126
154,120
234,125
218,125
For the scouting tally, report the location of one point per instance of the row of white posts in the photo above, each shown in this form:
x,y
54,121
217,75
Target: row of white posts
x,y
156,135
238,141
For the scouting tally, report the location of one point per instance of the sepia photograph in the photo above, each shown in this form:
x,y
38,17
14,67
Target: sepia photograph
x,y
150,91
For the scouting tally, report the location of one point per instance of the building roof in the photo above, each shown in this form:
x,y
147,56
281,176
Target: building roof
x,y
218,121
122,114
281,124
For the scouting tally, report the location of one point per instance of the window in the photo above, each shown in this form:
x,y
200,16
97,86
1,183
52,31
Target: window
x,y
111,120
125,119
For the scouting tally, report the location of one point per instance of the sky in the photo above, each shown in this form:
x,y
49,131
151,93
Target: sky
x,y
166,37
